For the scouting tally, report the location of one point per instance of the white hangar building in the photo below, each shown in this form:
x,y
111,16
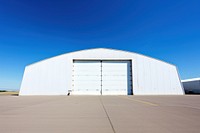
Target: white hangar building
x,y
101,72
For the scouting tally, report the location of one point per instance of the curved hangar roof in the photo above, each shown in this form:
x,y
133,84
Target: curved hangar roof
x,y
59,75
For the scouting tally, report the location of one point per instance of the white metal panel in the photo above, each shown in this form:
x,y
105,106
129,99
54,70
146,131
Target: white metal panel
x,y
46,78
156,78
115,77
86,78
101,77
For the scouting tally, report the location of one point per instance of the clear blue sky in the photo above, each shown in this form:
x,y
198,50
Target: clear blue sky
x,y
32,30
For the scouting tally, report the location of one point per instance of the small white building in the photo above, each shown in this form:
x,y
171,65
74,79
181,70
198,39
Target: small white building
x,y
191,86
101,72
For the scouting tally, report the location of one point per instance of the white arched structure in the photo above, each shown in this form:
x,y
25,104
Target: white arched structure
x,y
101,72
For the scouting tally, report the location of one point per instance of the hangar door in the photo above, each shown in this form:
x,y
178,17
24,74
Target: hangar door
x,y
101,78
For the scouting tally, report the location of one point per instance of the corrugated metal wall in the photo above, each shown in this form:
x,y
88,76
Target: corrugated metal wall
x,y
48,77
155,77
192,87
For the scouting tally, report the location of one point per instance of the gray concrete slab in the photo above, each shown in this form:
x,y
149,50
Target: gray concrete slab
x,y
108,114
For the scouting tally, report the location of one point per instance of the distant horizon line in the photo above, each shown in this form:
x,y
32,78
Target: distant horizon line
x,y
7,89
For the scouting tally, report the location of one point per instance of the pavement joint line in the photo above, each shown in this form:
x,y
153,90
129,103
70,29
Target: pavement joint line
x,y
107,116
141,101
